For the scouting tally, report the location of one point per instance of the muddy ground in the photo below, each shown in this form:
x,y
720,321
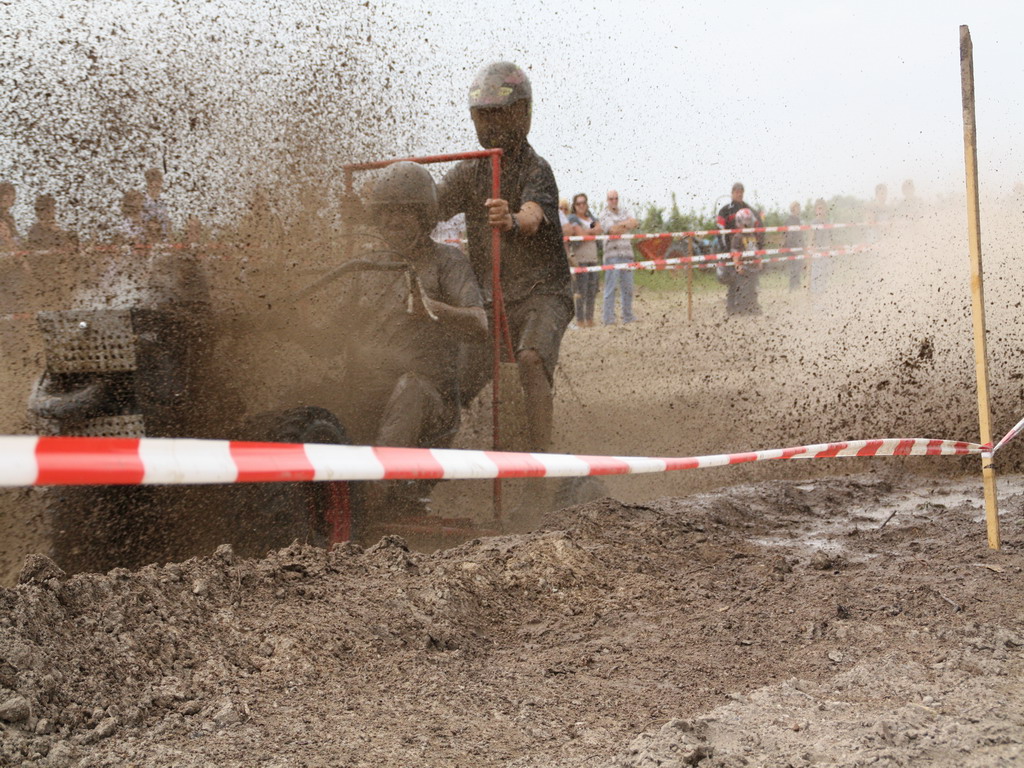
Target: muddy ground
x,y
842,612
780,623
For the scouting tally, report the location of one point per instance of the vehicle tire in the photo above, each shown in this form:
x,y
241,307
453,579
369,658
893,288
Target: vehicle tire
x,y
273,515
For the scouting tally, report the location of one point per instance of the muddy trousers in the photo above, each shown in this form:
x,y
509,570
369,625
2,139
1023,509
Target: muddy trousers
x,y
418,416
741,294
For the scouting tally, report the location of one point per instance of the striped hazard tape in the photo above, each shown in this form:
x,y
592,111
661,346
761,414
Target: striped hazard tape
x,y
713,259
31,460
1017,429
708,232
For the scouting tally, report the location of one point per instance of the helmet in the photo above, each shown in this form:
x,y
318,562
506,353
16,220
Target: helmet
x,y
407,184
745,218
498,85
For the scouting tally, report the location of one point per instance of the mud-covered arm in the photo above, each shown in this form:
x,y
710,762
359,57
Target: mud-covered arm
x,y
460,303
538,207
469,323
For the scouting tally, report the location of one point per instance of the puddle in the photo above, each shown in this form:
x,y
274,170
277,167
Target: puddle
x,y
902,507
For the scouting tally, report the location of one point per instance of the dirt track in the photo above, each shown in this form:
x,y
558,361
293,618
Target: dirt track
x,y
775,622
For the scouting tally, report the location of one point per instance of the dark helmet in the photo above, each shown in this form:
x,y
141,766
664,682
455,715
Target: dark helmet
x,y
499,85
406,184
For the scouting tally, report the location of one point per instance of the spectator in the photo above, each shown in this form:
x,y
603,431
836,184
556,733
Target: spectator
x,y
307,227
535,278
569,230
821,240
44,234
155,220
195,232
131,230
16,288
584,254
727,217
7,197
8,242
261,227
741,275
617,220
795,239
910,206
878,211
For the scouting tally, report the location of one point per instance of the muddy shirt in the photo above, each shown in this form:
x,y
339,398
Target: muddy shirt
x,y
389,342
529,263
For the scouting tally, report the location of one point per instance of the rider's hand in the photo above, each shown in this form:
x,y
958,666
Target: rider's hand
x,y
498,214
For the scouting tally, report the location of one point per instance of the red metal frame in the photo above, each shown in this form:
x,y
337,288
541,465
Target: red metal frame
x,y
499,322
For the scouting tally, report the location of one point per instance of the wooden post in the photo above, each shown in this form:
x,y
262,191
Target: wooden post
x,y
689,282
988,471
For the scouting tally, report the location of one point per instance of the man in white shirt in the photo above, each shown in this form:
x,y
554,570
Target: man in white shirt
x,y
616,220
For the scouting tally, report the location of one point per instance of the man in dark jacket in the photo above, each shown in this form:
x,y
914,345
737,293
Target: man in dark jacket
x,y
727,217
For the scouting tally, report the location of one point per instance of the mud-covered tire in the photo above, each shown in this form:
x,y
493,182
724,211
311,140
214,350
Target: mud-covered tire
x,y
273,515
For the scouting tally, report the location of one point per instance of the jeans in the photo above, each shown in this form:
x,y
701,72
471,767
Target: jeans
x,y
585,290
624,279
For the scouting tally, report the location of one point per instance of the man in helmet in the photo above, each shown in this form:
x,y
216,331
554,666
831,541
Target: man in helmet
x,y
727,215
535,277
741,274
741,297
409,323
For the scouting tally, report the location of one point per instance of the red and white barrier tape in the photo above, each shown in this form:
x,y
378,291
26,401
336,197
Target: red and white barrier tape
x,y
713,259
1017,429
31,460
707,232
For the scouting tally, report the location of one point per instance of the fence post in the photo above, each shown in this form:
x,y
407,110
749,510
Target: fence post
x,y
689,282
988,471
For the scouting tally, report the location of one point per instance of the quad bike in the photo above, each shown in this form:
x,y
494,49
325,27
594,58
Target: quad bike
x,y
142,371
139,371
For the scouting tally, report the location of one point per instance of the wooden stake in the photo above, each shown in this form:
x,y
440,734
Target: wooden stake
x,y
988,472
689,283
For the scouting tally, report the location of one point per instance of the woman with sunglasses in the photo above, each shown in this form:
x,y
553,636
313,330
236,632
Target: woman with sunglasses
x,y
584,254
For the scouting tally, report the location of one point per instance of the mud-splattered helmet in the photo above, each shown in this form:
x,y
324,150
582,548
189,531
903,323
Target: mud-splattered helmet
x,y
499,84
745,218
405,184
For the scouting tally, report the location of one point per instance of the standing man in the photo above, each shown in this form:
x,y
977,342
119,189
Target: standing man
x,y
535,278
155,219
8,194
45,233
616,220
794,239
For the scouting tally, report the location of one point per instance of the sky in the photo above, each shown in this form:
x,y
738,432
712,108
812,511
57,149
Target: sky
x,y
797,100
